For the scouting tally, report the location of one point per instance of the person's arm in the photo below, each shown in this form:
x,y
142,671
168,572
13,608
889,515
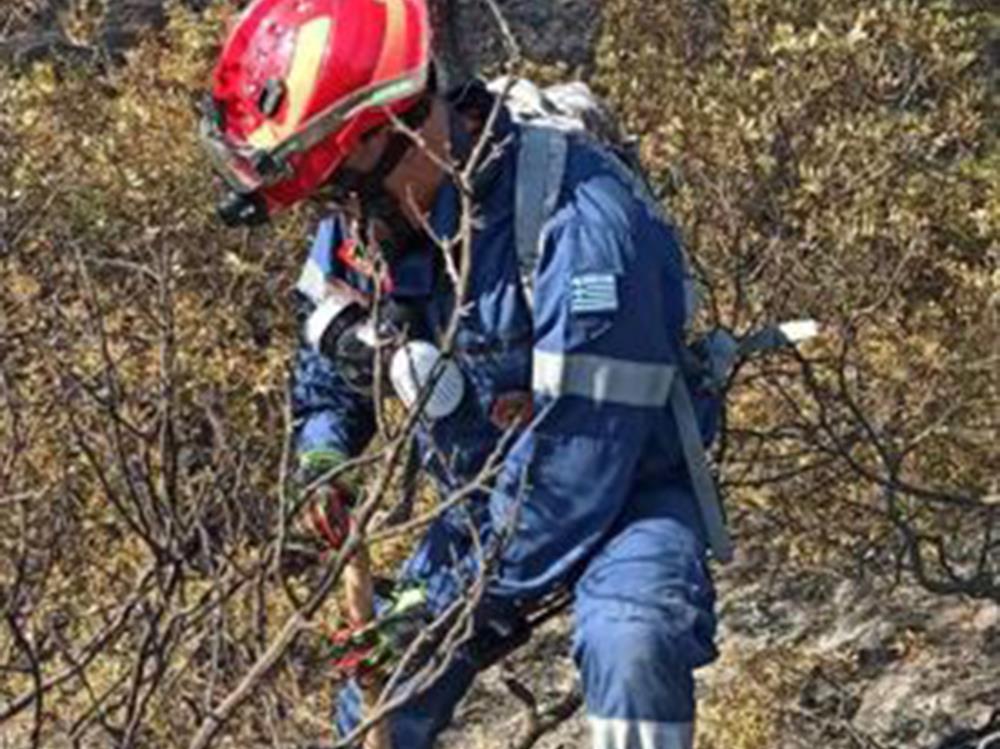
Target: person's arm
x,y
332,419
330,416
608,316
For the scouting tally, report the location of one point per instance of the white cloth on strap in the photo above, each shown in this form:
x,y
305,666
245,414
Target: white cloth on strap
x,y
312,282
620,733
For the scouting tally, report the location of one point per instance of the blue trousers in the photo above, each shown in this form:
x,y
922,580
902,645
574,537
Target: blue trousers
x,y
644,620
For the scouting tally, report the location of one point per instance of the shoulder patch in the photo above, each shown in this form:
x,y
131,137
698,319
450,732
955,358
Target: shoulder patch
x,y
593,292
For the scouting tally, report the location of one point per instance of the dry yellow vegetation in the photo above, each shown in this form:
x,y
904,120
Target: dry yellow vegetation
x,y
834,160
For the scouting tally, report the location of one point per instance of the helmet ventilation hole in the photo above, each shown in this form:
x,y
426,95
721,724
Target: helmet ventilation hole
x,y
271,97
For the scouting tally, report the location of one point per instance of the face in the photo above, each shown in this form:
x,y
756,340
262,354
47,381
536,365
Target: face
x,y
369,151
396,215
391,215
336,197
362,161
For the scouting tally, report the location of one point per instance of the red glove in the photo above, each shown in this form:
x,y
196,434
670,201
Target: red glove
x,y
329,515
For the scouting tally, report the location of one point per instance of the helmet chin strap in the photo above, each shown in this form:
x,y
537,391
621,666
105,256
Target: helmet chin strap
x,y
377,203
382,207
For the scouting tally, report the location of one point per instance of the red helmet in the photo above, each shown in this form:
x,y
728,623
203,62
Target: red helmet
x,y
299,82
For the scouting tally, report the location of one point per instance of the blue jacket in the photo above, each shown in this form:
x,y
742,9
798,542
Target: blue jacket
x,y
596,350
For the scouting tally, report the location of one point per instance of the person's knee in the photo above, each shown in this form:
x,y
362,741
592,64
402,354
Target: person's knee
x,y
650,589
635,669
645,621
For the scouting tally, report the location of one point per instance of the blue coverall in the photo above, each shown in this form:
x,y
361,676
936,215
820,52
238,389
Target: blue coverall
x,y
607,507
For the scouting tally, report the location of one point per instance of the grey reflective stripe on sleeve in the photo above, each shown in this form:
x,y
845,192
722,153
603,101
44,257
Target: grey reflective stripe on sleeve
x,y
312,282
326,312
701,478
620,733
601,379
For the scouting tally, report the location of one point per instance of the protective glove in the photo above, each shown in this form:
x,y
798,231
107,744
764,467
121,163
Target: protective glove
x,y
363,651
324,512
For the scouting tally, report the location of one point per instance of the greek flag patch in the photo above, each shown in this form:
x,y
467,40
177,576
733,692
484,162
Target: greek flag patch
x,y
593,292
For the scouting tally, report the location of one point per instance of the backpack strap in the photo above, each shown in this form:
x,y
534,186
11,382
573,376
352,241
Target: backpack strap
x,y
702,481
541,166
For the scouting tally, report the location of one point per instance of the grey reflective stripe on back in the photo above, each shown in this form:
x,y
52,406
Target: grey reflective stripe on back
x,y
601,379
621,733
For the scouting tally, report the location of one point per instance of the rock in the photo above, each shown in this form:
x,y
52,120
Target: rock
x,y
875,649
42,44
125,21
468,37
546,31
987,737
41,36
987,618
491,718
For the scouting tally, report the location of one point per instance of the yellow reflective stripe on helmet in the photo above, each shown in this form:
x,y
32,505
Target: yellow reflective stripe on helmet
x,y
310,46
393,54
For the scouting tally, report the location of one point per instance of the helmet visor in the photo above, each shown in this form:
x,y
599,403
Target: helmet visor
x,y
340,113
247,169
237,165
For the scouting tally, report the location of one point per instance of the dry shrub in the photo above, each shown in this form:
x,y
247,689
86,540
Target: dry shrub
x,y
143,358
820,158
836,161
746,713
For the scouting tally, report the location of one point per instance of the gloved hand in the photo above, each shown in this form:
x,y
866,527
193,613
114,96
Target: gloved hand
x,y
329,515
362,651
323,512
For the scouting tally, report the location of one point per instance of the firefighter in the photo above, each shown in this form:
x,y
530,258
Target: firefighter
x,y
576,357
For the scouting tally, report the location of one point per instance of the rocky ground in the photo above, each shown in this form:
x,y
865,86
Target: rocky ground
x,y
807,661
545,31
36,29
